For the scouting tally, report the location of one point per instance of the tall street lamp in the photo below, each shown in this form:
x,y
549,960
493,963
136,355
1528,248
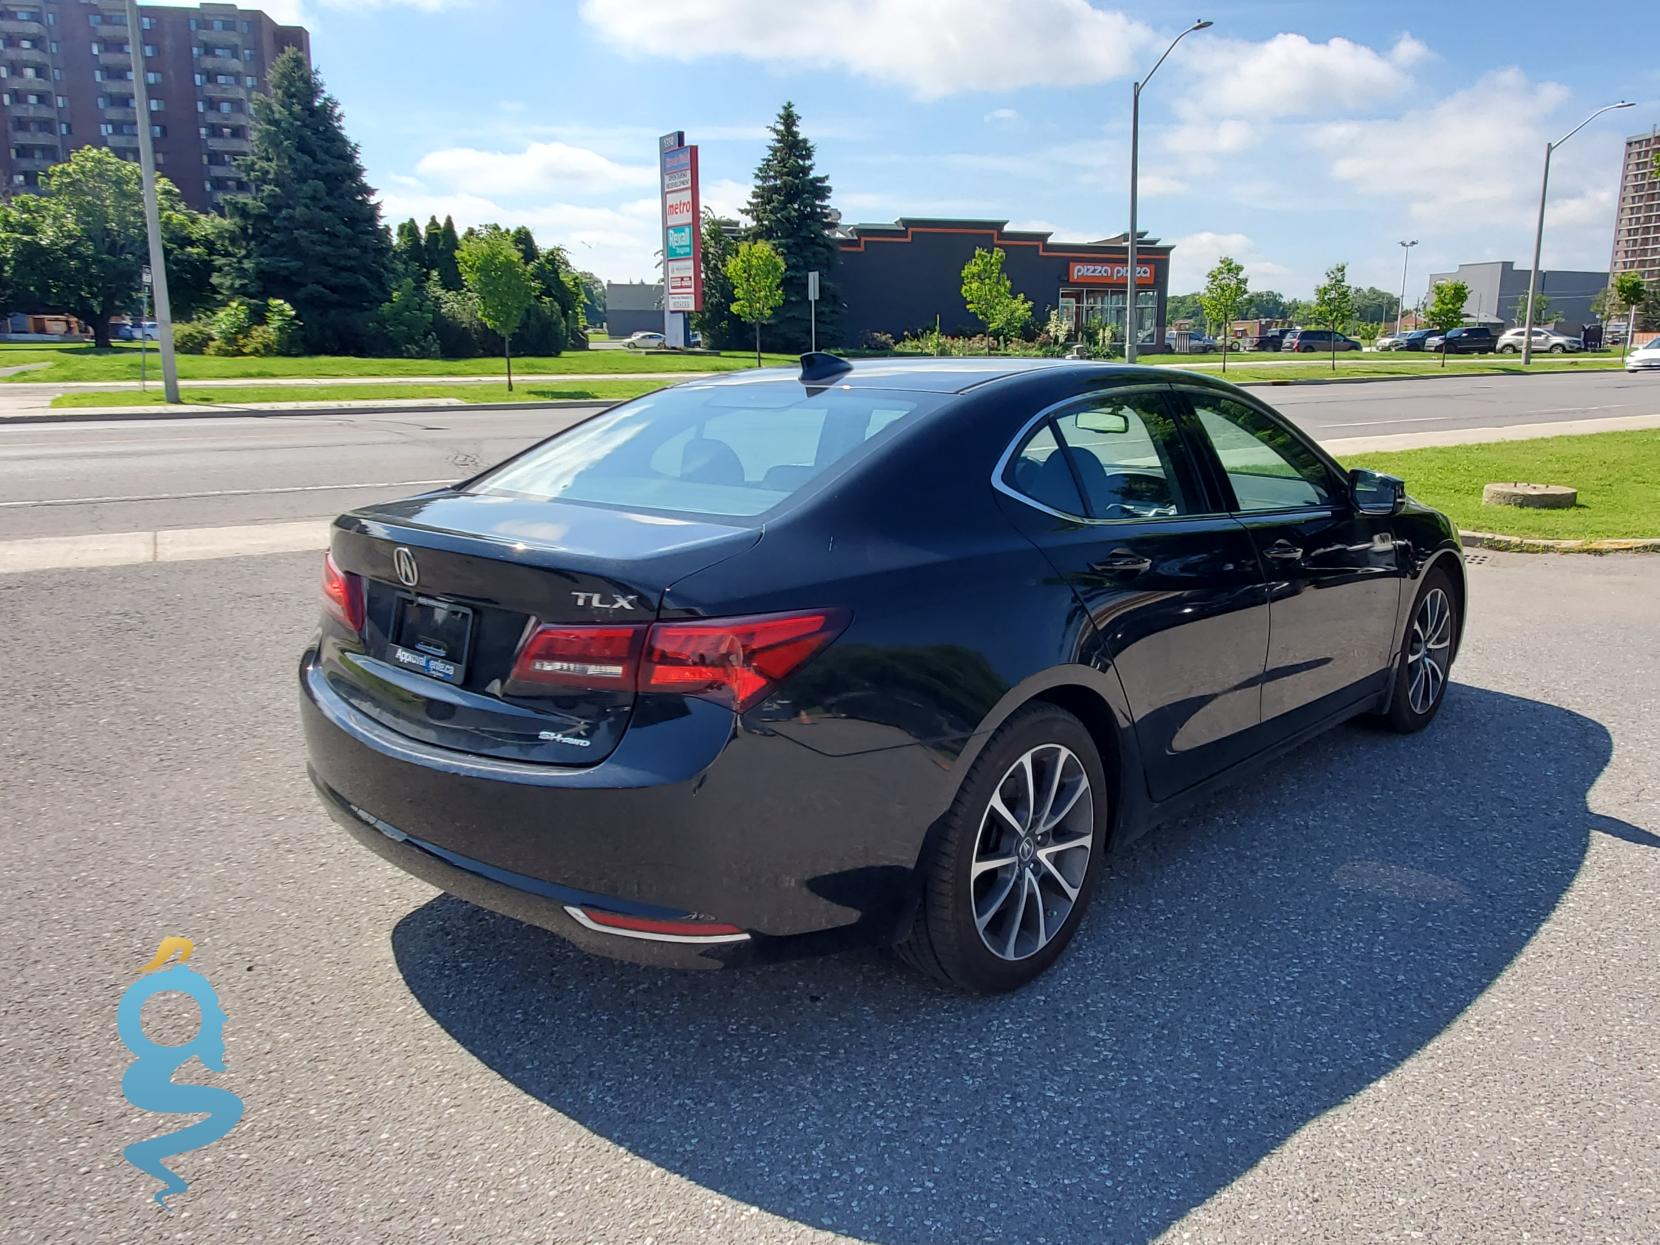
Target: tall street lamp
x,y
1539,230
1135,136
1400,303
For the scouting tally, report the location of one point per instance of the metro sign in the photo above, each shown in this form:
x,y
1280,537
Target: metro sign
x,y
678,208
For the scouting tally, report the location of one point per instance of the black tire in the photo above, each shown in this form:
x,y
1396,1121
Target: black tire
x,y
1403,716
944,940
1559,348
1507,350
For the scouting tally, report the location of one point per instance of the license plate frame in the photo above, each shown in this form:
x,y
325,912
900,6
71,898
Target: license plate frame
x,y
436,644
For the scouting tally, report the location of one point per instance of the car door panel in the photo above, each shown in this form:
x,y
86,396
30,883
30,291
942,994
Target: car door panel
x,y
1333,574
1178,601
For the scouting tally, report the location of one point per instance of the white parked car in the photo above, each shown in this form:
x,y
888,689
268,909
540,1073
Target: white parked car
x,y
1645,358
644,341
1544,341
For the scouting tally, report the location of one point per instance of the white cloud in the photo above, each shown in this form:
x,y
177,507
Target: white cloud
x,y
1291,75
931,48
1195,254
1004,119
553,167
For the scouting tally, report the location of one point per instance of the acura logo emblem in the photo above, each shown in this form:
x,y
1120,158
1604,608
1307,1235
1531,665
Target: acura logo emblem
x,y
403,562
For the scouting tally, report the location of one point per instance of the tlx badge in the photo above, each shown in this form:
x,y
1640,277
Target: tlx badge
x,y
597,600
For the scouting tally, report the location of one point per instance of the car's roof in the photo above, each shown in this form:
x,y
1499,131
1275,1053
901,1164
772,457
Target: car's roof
x,y
935,375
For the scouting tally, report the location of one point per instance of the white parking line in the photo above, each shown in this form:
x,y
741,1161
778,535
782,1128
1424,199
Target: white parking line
x,y
46,553
224,492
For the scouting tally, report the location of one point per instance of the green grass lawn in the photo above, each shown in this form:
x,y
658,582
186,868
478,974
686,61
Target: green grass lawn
x,y
1615,473
120,363
265,395
1369,366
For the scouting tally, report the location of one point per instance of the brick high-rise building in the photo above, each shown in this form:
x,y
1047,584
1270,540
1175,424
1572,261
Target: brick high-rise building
x,y
1637,224
66,81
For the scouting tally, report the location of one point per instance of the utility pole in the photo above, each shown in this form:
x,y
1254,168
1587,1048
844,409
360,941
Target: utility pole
x,y
1130,289
1400,303
152,213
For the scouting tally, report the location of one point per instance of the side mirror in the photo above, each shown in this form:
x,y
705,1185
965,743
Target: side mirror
x,y
1374,493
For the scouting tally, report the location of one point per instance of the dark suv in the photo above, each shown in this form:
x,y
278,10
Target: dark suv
x,y
1315,341
1471,339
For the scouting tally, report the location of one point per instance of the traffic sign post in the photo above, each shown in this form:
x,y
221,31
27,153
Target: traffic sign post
x,y
812,309
143,338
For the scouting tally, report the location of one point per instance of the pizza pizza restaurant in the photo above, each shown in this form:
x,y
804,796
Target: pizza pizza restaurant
x,y
897,278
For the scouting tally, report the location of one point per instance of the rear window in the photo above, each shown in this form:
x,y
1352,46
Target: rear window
x,y
734,451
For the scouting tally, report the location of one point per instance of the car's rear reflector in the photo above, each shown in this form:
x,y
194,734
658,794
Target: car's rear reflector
x,y
653,929
733,660
342,595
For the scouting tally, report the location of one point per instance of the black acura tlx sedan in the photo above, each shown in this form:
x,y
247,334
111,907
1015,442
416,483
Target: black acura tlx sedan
x,y
779,662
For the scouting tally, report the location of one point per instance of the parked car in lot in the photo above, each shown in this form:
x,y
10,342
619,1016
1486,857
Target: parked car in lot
x,y
644,341
1273,339
1197,343
133,332
896,652
1412,339
1311,341
1470,339
1511,340
1644,358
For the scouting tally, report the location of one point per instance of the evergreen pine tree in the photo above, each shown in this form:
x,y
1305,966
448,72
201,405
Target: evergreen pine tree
x,y
309,231
432,241
409,249
790,208
444,261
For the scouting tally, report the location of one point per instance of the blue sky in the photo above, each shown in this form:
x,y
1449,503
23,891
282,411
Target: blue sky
x,y
1290,135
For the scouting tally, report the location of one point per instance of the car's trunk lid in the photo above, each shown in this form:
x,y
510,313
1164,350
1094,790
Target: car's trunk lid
x,y
436,657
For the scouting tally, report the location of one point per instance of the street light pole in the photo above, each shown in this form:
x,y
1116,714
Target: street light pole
x,y
1400,303
1135,143
1539,228
152,213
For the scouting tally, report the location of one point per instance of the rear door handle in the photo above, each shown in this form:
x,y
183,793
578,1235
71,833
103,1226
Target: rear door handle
x,y
1121,562
1283,551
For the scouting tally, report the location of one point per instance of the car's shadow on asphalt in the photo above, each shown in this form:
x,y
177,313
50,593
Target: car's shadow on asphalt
x,y
1241,973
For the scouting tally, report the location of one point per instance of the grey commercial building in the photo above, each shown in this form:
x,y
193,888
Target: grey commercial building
x,y
66,80
1637,224
1497,286
633,307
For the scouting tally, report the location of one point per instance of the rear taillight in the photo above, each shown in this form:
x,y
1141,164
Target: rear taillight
x,y
580,657
342,595
733,660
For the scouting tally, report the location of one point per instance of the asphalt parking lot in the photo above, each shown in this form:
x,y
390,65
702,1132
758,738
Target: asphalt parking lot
x,y
1392,989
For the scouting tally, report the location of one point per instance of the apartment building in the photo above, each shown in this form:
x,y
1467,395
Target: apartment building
x,y
1637,223
66,81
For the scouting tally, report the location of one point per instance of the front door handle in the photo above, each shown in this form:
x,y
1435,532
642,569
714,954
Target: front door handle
x,y
1121,562
1283,551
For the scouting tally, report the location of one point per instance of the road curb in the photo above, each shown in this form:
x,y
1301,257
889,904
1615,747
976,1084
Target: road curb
x,y
278,412
1524,544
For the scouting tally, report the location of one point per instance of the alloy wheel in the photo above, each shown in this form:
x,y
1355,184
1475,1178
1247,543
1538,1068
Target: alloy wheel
x,y
1032,853
1429,651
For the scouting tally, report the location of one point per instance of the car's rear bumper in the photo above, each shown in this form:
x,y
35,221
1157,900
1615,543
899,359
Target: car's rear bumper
x,y
692,814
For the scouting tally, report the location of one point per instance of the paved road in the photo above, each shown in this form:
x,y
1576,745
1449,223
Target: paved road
x,y
259,469
1394,989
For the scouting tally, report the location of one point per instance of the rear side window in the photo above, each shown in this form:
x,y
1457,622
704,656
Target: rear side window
x,y
733,451
1041,473
1124,452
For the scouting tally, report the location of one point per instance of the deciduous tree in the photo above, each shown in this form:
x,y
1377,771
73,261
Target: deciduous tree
x,y
1223,298
756,271
1446,309
495,272
1334,304
991,298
